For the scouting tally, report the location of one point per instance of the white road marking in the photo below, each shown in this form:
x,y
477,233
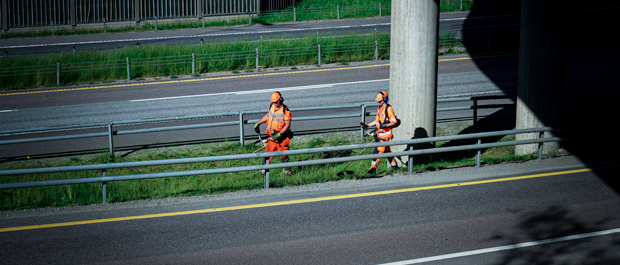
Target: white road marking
x,y
189,36
269,90
503,248
8,110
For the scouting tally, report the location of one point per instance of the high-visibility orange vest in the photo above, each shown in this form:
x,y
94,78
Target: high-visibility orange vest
x,y
381,117
276,119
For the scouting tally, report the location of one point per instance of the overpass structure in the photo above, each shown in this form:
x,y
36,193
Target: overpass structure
x,y
413,69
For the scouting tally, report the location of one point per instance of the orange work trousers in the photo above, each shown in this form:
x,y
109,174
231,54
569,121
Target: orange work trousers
x,y
278,145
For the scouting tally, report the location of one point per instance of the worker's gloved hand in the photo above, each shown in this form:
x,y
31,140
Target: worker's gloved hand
x,y
363,125
276,136
383,125
257,128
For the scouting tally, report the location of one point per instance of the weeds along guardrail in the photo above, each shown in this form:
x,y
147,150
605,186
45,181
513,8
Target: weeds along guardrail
x,y
475,106
409,144
192,63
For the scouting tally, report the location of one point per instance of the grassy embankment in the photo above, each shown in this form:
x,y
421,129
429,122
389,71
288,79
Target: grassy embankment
x,y
67,195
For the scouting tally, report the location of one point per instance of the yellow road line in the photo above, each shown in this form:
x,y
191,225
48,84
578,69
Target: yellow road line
x,y
253,206
225,77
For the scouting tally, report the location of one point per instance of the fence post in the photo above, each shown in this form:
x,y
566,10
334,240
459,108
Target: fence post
x,y
363,119
53,34
475,112
105,26
256,59
128,76
379,9
461,5
203,20
410,163
250,18
376,50
57,73
266,162
155,22
111,138
241,131
319,54
193,64
294,14
478,154
338,10
104,188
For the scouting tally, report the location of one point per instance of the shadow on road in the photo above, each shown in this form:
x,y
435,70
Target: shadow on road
x,y
553,223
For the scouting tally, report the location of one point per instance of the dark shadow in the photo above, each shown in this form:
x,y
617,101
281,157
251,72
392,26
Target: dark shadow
x,y
589,91
553,223
494,122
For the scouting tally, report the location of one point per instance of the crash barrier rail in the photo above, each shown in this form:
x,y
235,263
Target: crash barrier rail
x,y
240,122
410,151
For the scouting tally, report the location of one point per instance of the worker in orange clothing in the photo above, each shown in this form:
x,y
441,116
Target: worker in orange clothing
x,y
385,120
278,120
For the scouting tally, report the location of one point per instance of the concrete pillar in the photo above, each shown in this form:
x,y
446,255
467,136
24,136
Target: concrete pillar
x,y
541,69
73,13
413,68
199,8
137,8
5,15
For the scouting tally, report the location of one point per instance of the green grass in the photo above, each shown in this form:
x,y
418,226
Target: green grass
x,y
67,195
145,57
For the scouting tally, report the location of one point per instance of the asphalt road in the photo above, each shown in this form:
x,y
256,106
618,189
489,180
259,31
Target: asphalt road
x,y
45,45
553,211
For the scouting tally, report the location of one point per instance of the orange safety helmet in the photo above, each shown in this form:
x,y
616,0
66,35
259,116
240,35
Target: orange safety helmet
x,y
276,96
382,96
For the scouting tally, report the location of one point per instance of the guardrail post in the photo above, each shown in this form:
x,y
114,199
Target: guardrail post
x,y
294,14
266,162
410,163
379,9
338,10
478,154
193,64
203,20
105,26
461,5
363,119
111,138
475,112
319,54
128,76
241,131
256,59
155,22
57,73
53,34
376,50
104,189
250,18
541,135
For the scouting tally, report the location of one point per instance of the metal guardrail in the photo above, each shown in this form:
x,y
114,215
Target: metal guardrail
x,y
241,121
409,152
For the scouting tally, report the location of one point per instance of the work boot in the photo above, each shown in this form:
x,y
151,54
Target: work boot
x,y
393,166
287,171
372,171
262,171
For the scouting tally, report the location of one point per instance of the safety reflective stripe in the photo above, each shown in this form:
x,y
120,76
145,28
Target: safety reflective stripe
x,y
384,133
